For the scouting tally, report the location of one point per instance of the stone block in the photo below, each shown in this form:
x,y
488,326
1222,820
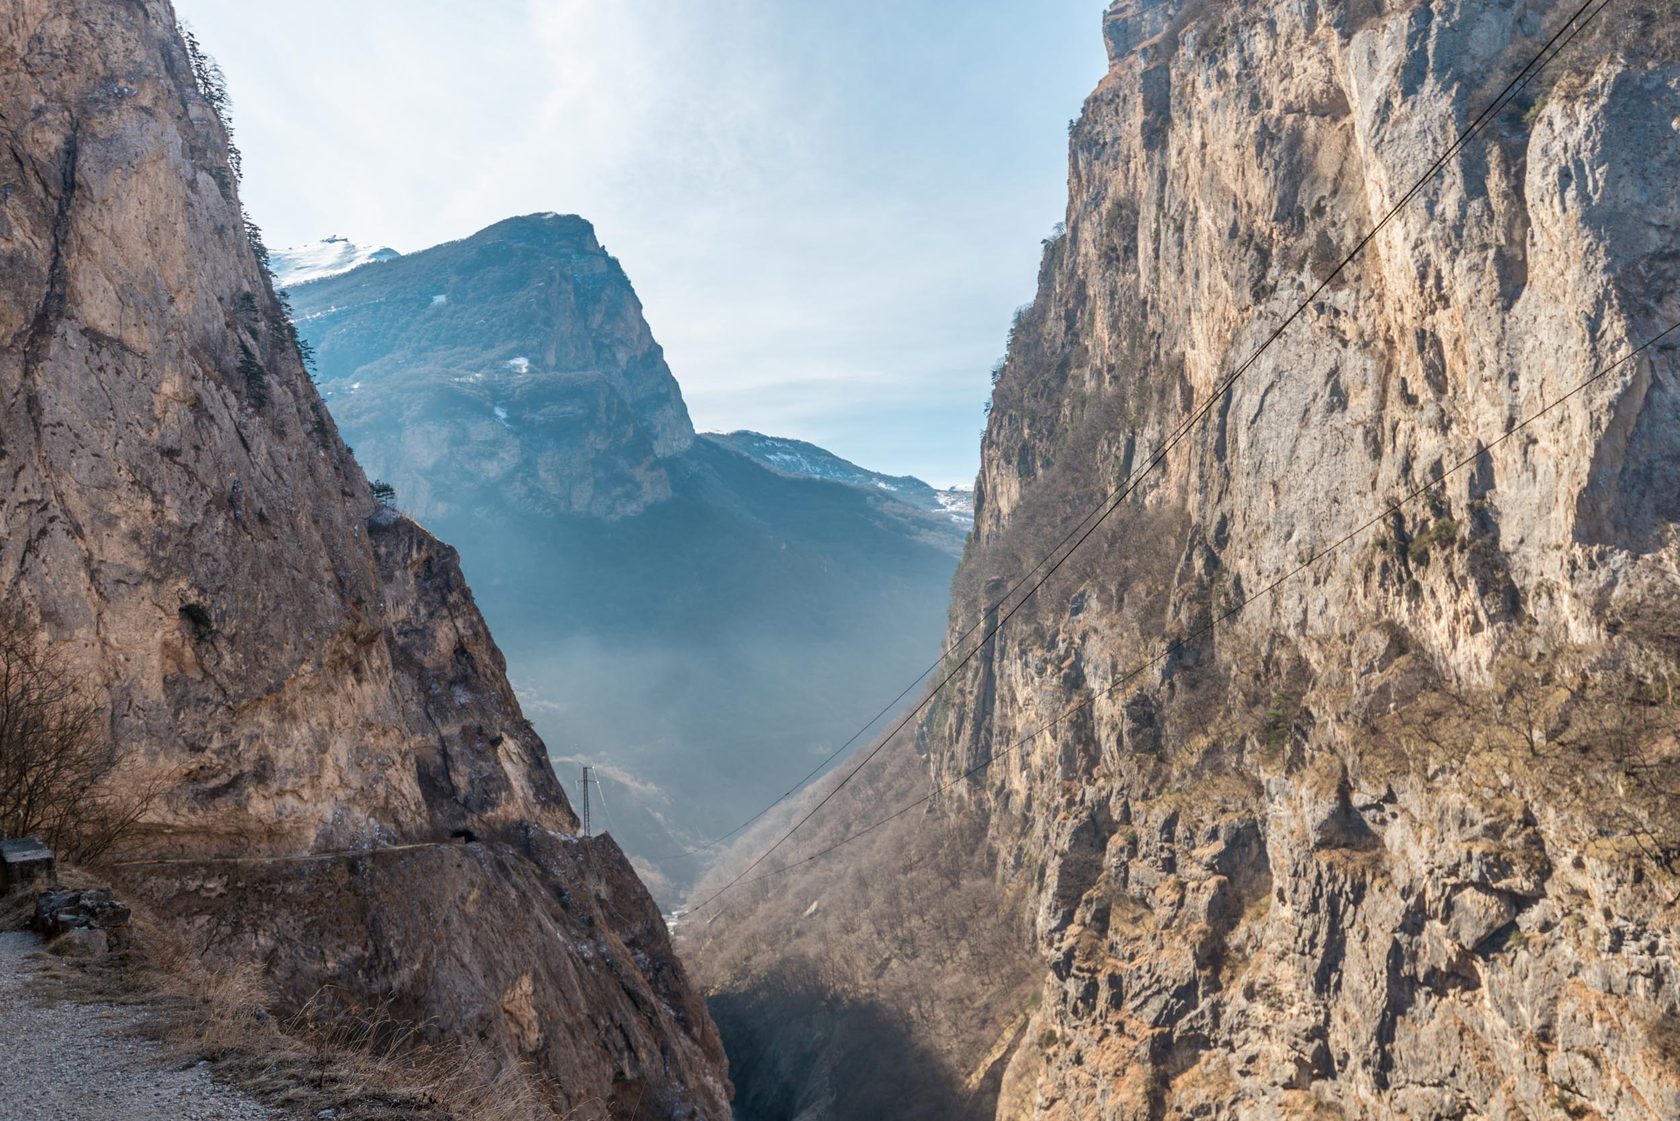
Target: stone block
x,y
24,862
1475,912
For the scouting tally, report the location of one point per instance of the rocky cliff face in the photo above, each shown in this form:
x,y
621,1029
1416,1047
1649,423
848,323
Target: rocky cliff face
x,y
179,510
1360,900
1392,842
303,670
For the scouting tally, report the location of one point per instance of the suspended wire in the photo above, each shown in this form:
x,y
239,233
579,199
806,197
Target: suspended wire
x,y
1553,47
1080,532
1208,627
599,789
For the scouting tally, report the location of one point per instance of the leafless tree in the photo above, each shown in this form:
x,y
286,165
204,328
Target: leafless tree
x,y
59,779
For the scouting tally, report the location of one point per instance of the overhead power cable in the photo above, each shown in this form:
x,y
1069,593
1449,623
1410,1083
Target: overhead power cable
x,y
1086,527
601,790
1207,628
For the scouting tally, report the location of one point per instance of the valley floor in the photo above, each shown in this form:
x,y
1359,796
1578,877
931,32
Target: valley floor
x,y
67,1061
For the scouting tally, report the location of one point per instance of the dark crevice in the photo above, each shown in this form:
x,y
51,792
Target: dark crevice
x,y
51,310
37,337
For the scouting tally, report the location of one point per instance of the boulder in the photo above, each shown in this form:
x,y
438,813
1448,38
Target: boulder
x,y
82,917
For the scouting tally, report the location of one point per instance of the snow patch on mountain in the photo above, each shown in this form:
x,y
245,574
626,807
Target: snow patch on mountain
x,y
958,502
318,259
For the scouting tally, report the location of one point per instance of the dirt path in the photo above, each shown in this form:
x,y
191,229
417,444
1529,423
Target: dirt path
x,y
61,1061
303,857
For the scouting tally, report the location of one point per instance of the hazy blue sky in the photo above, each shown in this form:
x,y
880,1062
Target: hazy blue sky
x,y
829,209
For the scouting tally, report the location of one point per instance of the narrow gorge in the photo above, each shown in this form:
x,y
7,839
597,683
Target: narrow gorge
x,y
1305,738
686,612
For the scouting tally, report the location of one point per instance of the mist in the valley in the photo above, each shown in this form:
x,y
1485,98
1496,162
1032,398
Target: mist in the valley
x,y
679,756
695,712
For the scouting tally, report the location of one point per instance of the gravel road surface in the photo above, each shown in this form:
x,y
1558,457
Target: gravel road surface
x,y
62,1061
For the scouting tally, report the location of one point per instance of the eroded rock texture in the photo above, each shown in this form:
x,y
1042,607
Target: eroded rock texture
x,y
1390,842
1273,876
302,670
178,508
545,948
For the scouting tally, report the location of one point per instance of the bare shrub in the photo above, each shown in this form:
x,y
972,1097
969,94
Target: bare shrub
x,y
1594,738
60,780
1607,745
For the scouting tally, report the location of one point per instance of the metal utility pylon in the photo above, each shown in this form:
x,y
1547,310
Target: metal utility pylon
x,y
586,781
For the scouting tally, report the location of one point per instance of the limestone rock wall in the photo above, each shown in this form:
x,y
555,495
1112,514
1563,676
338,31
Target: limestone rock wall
x,y
178,508
303,670
1276,873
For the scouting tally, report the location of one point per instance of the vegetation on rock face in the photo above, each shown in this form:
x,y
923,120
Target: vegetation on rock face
x,y
212,87
254,375
1590,735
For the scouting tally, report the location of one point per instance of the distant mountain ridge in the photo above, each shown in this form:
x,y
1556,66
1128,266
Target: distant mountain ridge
x,y
806,460
697,617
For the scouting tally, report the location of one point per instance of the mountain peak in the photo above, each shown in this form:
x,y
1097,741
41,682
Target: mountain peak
x,y
523,326
336,254
543,229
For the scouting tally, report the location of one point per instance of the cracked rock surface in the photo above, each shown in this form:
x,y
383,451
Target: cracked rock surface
x,y
1383,843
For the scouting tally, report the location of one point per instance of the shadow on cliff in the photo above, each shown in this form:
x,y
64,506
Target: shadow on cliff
x,y
796,1050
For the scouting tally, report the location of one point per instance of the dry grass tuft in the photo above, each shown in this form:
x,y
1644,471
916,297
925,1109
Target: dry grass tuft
x,y
15,911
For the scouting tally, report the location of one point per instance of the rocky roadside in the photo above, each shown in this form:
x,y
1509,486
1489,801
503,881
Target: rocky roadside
x,y
67,1061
